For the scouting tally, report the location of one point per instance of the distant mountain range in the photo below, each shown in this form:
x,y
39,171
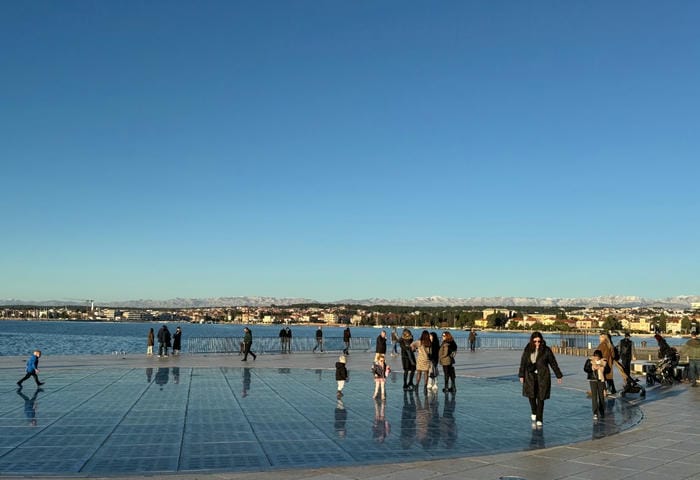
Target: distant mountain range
x,y
619,301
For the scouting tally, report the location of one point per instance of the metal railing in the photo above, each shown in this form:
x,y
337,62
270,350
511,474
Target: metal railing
x,y
272,344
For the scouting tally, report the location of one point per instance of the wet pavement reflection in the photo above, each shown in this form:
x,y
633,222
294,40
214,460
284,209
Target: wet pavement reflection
x,y
109,421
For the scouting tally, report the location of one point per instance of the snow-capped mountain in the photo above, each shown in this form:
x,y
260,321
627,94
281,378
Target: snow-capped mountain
x,y
618,301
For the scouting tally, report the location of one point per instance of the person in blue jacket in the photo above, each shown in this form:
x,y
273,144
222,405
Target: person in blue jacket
x,y
32,369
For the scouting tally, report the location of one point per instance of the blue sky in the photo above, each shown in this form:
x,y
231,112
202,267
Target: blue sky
x,y
330,150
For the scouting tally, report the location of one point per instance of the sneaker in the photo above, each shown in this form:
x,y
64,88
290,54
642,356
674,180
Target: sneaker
x,y
533,417
40,383
595,417
539,423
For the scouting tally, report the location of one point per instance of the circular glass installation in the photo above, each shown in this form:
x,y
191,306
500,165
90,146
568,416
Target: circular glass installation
x,y
110,420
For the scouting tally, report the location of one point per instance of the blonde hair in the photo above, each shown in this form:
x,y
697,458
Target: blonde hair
x,y
378,356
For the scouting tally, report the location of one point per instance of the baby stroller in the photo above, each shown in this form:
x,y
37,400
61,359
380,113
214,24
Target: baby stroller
x,y
664,372
631,384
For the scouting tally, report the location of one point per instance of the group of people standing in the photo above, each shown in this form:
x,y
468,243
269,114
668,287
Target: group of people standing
x,y
166,340
420,359
286,340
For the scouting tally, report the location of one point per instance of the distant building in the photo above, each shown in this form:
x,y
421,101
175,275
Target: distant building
x,y
137,316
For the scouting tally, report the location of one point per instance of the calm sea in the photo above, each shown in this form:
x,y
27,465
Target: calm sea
x,y
83,338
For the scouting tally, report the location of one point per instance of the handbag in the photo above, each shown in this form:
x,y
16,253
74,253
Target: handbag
x,y
433,371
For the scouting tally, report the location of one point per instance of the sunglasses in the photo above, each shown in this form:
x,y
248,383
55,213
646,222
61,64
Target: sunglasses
x,y
536,341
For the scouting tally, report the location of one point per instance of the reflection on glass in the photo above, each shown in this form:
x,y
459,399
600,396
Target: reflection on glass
x,y
341,416
425,423
162,376
537,438
246,381
380,427
30,405
149,375
448,426
176,373
408,420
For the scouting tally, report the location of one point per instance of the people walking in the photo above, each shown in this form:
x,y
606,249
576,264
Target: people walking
x,y
535,375
163,341
608,350
408,359
177,341
446,356
346,340
627,353
319,340
595,368
472,340
422,349
32,369
691,349
150,342
341,375
247,343
394,342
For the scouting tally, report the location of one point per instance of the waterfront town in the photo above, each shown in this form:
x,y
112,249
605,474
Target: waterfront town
x,y
635,320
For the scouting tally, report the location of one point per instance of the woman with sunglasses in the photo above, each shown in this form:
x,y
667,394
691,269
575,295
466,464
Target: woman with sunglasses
x,y
535,375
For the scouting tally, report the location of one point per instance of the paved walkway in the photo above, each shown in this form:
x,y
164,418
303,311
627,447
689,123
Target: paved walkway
x,y
206,416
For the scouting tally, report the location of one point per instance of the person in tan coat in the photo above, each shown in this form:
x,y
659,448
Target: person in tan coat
x,y
608,350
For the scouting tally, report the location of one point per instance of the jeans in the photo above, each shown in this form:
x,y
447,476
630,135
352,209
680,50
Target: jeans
x,y
693,370
597,397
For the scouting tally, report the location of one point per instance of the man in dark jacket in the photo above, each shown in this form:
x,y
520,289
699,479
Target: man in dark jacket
x,y
626,348
163,340
381,343
247,343
346,340
319,339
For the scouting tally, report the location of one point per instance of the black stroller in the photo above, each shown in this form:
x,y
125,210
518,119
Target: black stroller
x,y
631,384
664,372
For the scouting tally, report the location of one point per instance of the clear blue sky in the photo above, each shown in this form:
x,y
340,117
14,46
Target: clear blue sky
x,y
334,149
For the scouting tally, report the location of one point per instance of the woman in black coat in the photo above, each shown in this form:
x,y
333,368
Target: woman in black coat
x,y
408,359
535,375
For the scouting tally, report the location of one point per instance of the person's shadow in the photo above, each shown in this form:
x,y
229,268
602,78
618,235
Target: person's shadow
x,y
30,405
149,375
